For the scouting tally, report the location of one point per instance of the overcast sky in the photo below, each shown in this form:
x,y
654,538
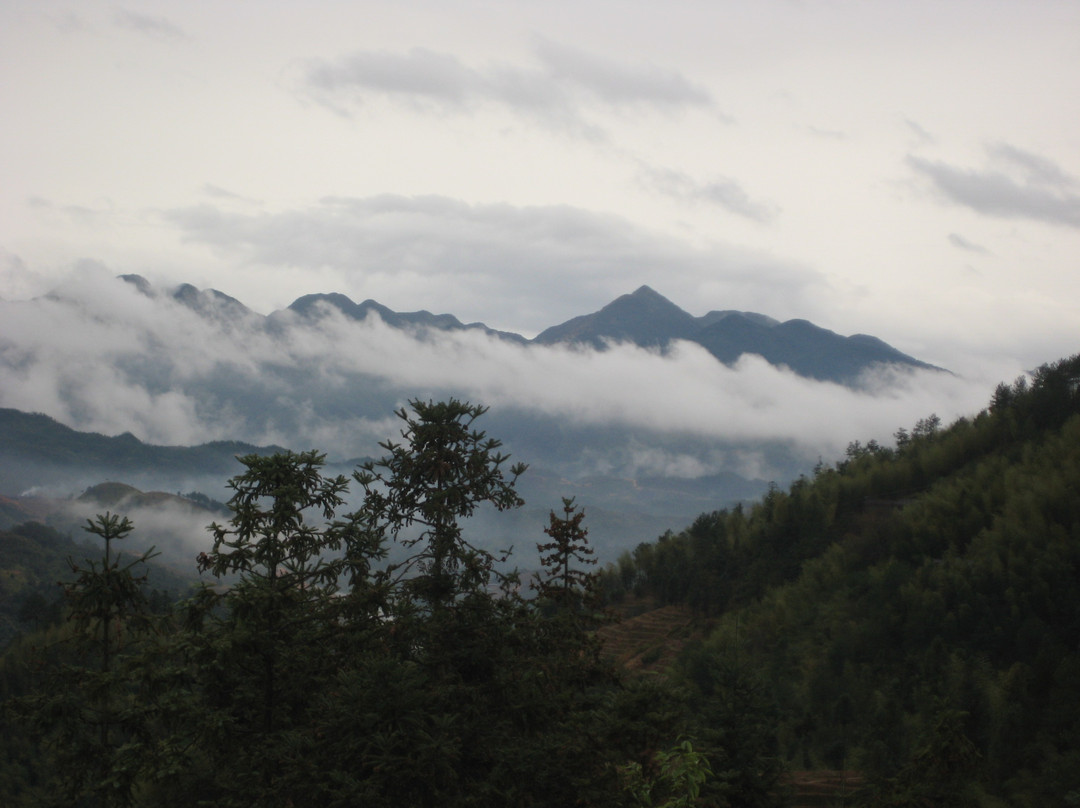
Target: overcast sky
x,y
909,170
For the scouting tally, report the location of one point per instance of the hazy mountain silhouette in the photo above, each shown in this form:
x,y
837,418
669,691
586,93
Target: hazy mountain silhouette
x,y
35,447
644,318
312,307
650,320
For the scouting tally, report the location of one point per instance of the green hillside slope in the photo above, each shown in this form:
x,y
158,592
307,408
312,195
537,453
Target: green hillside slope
x,y
913,612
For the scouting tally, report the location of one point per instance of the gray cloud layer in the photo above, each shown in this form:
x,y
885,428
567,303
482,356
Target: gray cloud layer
x,y
1037,170
559,92
148,24
962,243
723,192
528,260
617,83
1017,185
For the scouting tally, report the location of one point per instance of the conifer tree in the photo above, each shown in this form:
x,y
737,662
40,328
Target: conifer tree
x,y
88,713
269,641
564,581
439,475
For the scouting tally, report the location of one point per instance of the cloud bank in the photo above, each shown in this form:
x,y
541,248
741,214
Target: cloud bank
x,y
101,356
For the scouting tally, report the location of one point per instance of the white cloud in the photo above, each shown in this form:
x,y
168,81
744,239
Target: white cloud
x,y
106,358
177,531
17,280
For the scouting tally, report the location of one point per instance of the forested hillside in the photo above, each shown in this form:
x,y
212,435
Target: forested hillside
x,y
313,667
34,559
911,612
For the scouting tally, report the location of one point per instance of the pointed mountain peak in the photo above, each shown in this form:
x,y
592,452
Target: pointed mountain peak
x,y
647,291
644,318
645,295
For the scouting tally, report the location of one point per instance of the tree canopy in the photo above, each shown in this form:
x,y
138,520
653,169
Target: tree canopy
x,y
312,668
919,597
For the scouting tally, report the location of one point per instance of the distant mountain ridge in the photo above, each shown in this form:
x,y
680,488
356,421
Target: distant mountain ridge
x,y
33,439
644,318
37,452
308,307
648,319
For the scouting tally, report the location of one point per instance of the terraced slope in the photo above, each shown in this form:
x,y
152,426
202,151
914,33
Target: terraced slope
x,y
650,641
823,789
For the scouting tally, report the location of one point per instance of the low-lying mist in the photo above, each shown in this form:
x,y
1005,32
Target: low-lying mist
x,y
100,355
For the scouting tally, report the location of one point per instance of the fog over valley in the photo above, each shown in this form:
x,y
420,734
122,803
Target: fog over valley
x,y
905,172
102,356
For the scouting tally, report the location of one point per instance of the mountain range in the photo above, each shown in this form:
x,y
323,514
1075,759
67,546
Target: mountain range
x,y
41,459
644,318
647,414
650,320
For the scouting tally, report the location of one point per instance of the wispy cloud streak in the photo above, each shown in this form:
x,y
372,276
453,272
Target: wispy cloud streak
x,y
1019,185
559,91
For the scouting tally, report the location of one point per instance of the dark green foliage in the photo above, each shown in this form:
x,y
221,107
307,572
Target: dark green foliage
x,y
565,579
89,717
260,653
942,771
737,717
675,781
33,558
311,671
440,475
937,579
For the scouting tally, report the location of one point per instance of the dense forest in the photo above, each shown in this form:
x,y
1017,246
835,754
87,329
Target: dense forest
x,y
910,612
315,666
